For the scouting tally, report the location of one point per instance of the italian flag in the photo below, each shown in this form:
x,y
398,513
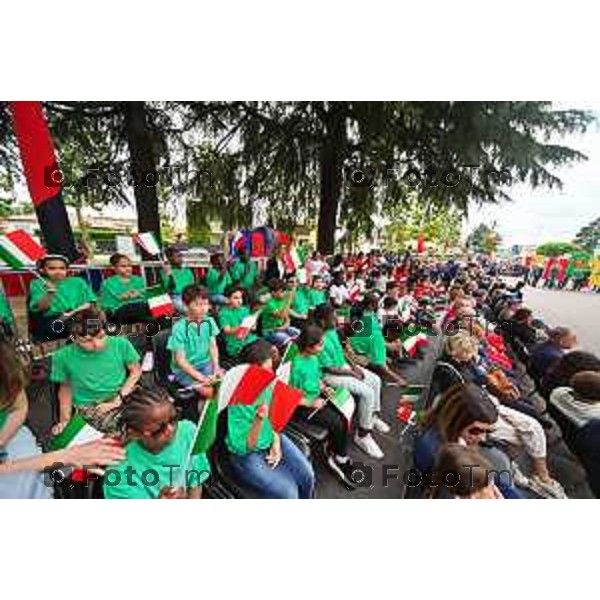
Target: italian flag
x,y
19,250
159,302
206,432
77,431
147,241
342,400
284,400
412,341
243,384
247,325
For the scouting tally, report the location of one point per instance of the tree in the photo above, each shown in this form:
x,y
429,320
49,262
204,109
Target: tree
x,y
588,237
484,239
556,248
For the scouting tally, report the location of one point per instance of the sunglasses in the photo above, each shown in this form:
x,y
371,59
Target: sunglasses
x,y
164,425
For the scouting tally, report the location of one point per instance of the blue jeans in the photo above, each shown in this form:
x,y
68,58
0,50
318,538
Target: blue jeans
x,y
292,478
281,337
185,380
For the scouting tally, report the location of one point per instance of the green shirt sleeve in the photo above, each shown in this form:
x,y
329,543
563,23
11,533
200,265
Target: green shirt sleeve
x,y
6,314
59,372
37,291
129,353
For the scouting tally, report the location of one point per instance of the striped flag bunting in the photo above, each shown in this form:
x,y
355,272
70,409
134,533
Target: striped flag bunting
x,y
160,302
77,431
19,250
147,241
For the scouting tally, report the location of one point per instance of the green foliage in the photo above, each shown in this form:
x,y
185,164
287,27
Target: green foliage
x,y
484,239
588,237
556,248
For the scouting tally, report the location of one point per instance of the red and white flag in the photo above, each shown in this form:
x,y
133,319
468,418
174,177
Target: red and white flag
x,y
243,384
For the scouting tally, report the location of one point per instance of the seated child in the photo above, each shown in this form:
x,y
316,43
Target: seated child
x,y
96,373
275,316
54,298
16,440
366,337
244,271
218,279
300,306
193,343
175,277
364,385
123,295
231,317
338,292
262,458
316,293
157,446
307,376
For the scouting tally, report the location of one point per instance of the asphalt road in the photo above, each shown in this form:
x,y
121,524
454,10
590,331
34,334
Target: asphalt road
x,y
578,310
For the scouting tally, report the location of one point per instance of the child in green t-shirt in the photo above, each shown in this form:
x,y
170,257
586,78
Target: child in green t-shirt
x,y
175,277
157,449
300,306
262,458
218,279
275,316
364,385
244,271
123,295
55,298
316,293
231,317
367,338
307,376
95,373
193,344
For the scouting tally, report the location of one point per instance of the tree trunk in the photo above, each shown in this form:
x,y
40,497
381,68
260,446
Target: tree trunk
x,y
142,168
331,160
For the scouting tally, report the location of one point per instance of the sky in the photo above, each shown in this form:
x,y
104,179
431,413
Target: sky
x,y
542,215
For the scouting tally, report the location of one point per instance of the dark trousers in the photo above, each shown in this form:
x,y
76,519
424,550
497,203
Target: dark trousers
x,y
135,312
333,421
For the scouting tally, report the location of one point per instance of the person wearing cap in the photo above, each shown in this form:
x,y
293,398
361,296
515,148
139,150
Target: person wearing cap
x,y
54,298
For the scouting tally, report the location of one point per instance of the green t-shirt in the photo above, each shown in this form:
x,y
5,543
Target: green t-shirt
x,y
373,344
72,292
244,273
216,282
6,315
182,277
114,287
316,297
3,417
194,340
269,320
239,422
94,377
301,301
306,376
233,317
149,472
332,354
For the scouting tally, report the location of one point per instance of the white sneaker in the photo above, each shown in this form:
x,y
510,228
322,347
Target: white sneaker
x,y
380,425
368,445
547,489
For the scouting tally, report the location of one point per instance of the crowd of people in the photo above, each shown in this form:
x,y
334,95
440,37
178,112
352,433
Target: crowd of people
x,y
351,320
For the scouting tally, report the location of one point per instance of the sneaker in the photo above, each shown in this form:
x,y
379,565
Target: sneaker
x,y
368,445
343,471
380,425
547,489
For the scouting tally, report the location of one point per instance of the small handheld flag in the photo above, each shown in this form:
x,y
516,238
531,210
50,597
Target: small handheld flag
x,y
343,401
77,431
148,242
247,325
243,384
284,401
207,427
19,250
159,302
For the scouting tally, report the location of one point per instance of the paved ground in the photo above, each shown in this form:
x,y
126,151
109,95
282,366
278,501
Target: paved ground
x,y
578,310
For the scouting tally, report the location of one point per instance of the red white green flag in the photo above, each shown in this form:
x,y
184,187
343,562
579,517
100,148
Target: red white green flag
x,y
160,302
19,250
